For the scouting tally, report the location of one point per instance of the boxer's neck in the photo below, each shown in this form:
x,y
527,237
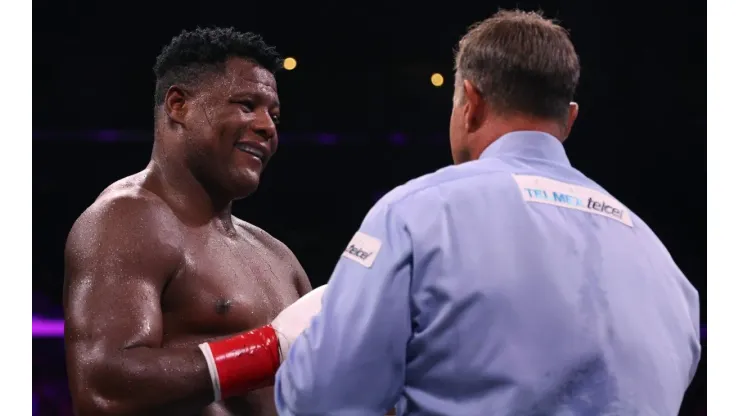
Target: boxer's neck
x,y
188,195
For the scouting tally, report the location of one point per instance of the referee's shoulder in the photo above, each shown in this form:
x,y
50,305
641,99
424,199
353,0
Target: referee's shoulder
x,y
422,190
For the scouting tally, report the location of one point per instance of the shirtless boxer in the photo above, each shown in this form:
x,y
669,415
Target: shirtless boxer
x,y
158,264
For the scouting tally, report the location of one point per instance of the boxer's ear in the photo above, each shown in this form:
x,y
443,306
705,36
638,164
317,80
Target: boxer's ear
x,y
176,104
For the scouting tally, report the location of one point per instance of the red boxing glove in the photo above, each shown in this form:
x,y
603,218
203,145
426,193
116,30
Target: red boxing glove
x,y
249,361
242,363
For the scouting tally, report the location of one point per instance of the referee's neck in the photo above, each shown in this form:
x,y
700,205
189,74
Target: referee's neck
x,y
497,126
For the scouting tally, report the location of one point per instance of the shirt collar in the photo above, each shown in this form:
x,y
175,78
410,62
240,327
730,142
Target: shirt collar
x,y
528,145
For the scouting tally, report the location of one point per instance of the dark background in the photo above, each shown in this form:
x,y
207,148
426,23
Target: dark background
x,y
360,116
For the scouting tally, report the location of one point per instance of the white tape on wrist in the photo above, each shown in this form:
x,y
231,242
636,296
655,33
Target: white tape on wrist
x,y
283,343
206,350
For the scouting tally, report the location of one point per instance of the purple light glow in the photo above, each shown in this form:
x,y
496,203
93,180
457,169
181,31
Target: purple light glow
x,y
322,138
108,135
328,139
398,138
48,328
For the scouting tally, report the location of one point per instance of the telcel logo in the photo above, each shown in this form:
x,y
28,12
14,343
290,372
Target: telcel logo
x,y
574,201
357,252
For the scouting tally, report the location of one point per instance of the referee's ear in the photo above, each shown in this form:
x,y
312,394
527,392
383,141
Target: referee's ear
x,y
475,108
572,115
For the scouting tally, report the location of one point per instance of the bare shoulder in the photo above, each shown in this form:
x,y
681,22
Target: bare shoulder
x,y
282,251
263,237
127,207
126,219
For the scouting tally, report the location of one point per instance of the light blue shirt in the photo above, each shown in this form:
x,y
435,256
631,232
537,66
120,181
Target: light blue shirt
x,y
510,285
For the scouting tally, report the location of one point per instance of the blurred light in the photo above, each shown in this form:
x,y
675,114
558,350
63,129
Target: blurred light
x,y
437,79
328,138
398,138
290,64
107,135
47,328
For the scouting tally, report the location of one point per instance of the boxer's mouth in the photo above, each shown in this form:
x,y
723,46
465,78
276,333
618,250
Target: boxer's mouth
x,y
254,149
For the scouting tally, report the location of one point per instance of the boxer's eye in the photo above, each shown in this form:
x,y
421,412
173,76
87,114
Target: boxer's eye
x,y
276,119
247,106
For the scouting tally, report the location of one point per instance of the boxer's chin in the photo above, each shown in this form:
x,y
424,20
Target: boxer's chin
x,y
245,183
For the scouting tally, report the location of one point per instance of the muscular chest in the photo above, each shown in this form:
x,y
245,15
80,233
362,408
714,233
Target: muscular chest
x,y
227,285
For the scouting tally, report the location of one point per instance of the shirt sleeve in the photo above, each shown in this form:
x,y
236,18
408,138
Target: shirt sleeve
x,y
351,360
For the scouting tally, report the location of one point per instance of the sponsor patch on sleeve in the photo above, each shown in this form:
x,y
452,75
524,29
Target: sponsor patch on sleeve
x,y
363,249
561,194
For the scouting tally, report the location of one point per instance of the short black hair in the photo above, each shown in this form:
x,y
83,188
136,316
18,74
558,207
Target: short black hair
x,y
521,62
191,54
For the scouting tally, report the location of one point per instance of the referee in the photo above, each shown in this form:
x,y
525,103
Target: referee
x,y
508,284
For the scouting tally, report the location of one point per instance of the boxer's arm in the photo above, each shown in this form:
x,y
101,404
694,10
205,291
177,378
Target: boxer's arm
x,y
118,258
302,283
352,358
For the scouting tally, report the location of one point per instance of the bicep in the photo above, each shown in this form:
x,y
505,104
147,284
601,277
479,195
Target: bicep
x,y
112,308
114,274
110,305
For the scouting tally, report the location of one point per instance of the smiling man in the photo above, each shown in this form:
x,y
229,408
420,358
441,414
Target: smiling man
x,y
161,281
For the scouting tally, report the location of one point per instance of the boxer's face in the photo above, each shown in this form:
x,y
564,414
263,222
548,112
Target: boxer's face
x,y
231,126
